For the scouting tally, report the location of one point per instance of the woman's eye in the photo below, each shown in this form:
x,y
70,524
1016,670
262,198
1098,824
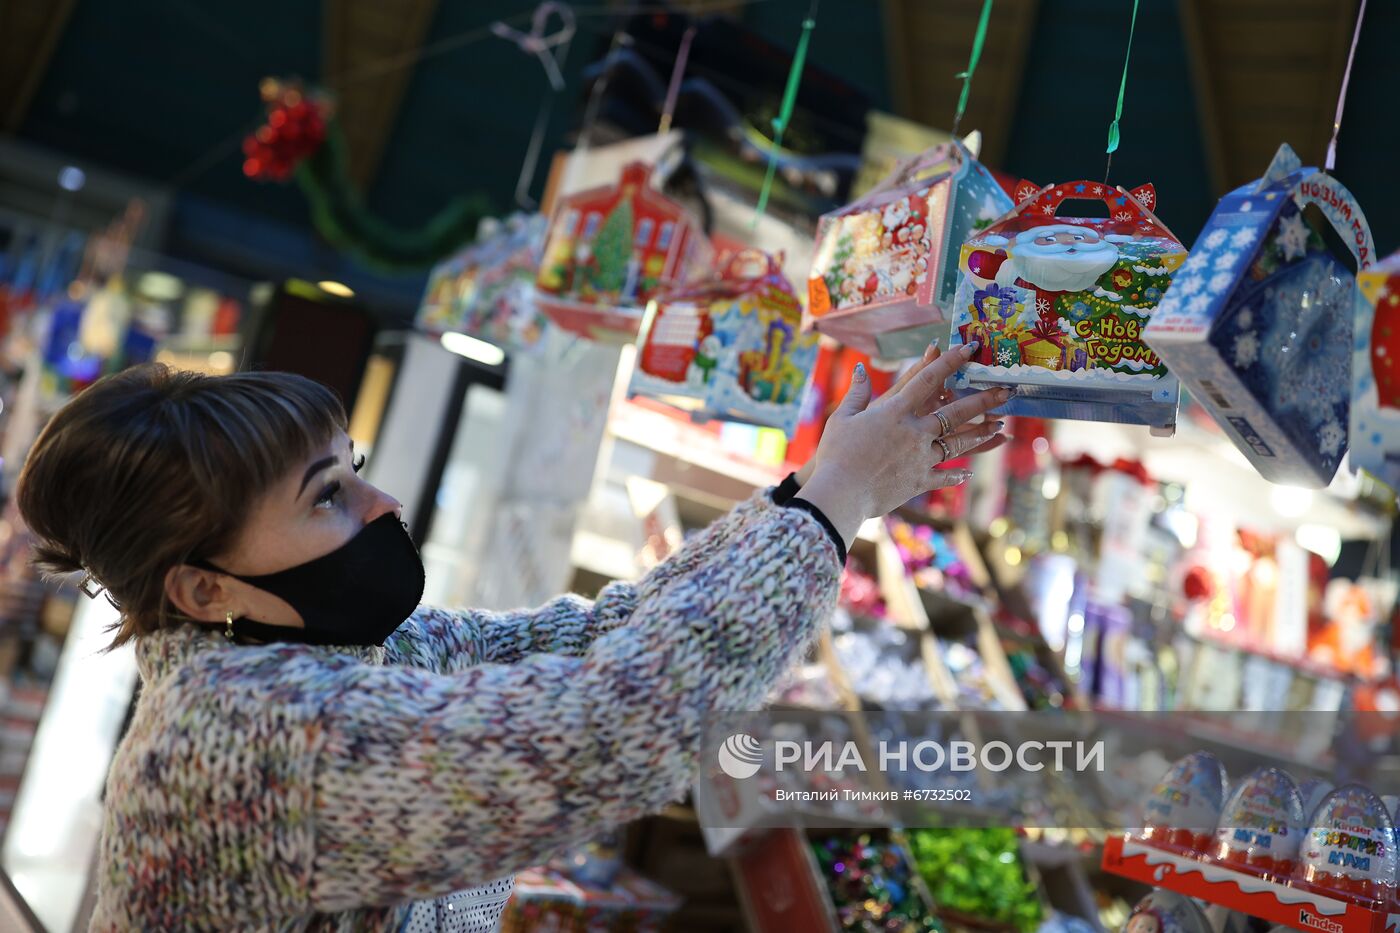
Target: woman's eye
x,y
358,463
328,495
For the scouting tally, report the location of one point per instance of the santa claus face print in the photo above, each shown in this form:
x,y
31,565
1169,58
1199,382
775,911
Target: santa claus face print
x,y
1058,258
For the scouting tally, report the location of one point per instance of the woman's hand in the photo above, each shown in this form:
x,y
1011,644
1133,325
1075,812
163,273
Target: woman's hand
x,y
874,457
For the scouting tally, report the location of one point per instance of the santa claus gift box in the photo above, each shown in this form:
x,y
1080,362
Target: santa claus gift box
x,y
731,346
1057,306
1258,323
608,251
885,267
1375,373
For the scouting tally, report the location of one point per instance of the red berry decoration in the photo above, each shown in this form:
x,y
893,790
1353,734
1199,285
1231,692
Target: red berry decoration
x,y
295,129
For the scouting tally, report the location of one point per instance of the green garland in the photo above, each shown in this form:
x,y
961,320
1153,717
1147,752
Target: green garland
x,y
340,215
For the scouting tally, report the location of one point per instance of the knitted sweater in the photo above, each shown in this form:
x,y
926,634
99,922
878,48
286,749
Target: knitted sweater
x,y
297,787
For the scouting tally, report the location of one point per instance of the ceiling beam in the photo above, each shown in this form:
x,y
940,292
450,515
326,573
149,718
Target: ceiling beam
x,y
29,32
369,49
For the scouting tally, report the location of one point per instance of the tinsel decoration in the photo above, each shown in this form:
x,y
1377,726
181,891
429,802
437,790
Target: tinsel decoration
x,y
301,138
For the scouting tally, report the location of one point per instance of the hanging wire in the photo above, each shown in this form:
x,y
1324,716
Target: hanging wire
x,y
1113,135
673,90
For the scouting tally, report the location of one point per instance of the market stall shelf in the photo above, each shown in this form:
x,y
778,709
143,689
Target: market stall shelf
x,y
1247,894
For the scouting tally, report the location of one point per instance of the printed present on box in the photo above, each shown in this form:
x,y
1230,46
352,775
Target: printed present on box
x,y
731,345
1058,305
1258,323
487,290
1375,373
885,267
608,251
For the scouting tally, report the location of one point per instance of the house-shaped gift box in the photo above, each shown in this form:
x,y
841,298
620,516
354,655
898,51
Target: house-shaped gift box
x,y
730,346
487,289
1057,306
1375,373
1258,323
607,253
885,267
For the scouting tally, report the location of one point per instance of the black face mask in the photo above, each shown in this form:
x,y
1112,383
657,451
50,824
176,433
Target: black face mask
x,y
358,594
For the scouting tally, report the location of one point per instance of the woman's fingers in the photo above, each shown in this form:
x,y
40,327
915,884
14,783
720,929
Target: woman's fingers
x,y
960,412
942,479
989,446
929,380
857,395
965,440
931,353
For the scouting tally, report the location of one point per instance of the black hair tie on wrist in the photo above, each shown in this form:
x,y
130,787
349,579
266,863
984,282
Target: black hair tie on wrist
x,y
797,502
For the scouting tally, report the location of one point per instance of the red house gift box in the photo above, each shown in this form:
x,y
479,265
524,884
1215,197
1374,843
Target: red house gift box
x,y
608,251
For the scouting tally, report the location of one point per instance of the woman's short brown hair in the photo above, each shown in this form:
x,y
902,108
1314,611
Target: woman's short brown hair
x,y
152,467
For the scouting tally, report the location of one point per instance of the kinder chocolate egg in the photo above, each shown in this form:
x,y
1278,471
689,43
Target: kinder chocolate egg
x,y
1184,808
1349,848
1313,791
1261,824
1167,912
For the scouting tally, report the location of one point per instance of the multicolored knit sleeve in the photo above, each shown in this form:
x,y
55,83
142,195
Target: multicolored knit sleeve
x,y
451,640
427,782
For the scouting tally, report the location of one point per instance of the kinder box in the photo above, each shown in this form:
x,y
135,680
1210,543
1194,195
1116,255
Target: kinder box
x,y
1258,323
607,253
1375,373
731,346
885,267
1058,306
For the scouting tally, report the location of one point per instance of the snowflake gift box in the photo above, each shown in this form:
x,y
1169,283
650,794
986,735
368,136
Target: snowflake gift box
x,y
609,250
885,267
1375,373
731,346
1057,306
1258,323
486,290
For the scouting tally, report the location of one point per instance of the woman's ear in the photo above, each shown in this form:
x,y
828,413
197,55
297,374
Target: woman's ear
x,y
198,594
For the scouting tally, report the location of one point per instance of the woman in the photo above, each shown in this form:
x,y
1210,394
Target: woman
x,y
312,750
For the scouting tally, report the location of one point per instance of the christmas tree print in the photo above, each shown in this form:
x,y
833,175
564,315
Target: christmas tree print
x,y
612,248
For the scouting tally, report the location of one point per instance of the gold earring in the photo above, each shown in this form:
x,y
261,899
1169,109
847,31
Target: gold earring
x,y
228,625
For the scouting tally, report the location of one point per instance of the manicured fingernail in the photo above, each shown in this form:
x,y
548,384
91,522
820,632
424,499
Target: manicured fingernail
x,y
964,476
998,426
860,372
933,344
971,348
1008,392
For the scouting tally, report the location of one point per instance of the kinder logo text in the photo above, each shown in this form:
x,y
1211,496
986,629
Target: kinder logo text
x,y
1312,921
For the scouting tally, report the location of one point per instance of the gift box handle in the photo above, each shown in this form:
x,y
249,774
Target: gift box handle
x,y
1137,204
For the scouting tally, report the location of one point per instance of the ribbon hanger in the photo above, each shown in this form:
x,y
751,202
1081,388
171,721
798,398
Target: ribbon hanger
x,y
780,122
1113,135
1342,97
978,41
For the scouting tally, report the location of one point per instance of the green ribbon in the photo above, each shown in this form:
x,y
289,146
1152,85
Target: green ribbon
x,y
977,42
1122,87
780,122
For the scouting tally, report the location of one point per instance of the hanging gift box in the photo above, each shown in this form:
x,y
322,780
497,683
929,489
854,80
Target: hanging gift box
x,y
1375,373
1258,323
487,290
885,267
731,346
607,253
1058,304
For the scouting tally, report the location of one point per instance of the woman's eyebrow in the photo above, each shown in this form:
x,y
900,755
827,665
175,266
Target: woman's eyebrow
x,y
312,470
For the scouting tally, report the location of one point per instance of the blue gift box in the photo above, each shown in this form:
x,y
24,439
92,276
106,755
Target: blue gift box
x,y
1257,324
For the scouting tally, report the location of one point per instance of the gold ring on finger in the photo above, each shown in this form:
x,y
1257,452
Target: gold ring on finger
x,y
942,421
